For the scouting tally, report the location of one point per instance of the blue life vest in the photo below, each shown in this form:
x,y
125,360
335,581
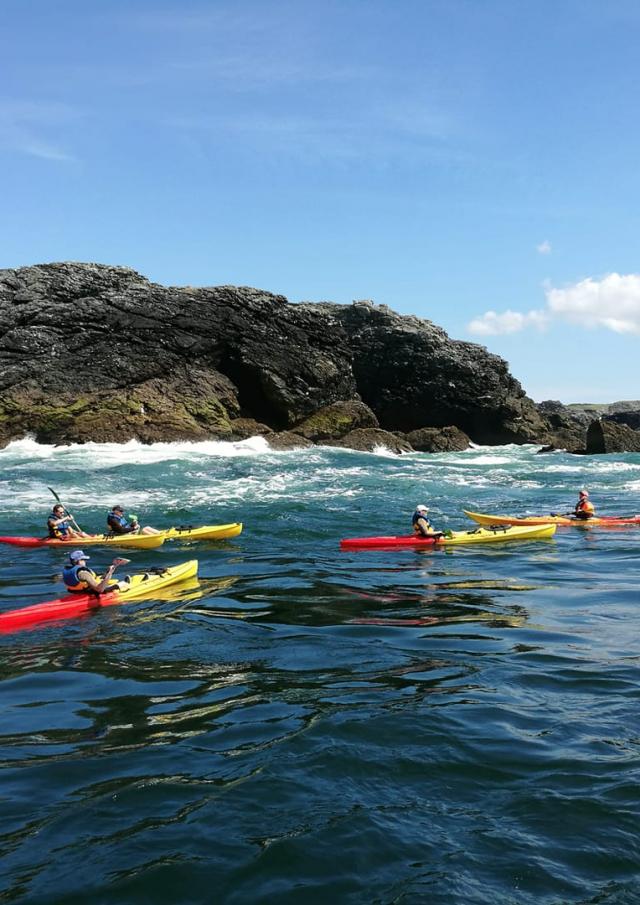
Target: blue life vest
x,y
60,530
70,577
414,521
115,521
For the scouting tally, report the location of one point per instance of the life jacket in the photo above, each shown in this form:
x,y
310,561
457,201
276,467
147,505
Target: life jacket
x,y
585,509
416,518
60,530
70,578
118,523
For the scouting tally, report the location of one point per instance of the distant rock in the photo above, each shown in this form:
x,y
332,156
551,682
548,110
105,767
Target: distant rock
x,y
438,439
243,428
336,420
567,428
287,440
369,439
609,437
630,417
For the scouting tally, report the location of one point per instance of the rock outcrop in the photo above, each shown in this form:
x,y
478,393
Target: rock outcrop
x,y
567,426
412,375
609,437
337,420
434,439
372,438
93,352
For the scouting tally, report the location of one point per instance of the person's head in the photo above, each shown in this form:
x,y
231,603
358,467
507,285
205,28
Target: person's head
x,y
584,494
78,556
58,510
118,509
422,509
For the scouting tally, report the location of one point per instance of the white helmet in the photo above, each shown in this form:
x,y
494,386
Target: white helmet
x,y
422,508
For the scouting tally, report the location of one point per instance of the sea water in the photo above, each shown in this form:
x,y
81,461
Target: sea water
x,y
310,725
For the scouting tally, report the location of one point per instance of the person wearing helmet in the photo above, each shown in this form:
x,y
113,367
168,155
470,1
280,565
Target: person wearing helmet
x,y
80,579
118,523
584,508
421,524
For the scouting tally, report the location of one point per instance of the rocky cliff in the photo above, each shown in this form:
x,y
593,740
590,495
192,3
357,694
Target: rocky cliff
x,y
93,352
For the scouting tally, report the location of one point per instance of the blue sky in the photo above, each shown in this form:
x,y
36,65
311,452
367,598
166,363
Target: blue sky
x,y
449,158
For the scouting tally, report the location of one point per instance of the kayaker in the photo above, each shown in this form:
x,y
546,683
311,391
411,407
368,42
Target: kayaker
x,y
584,508
59,524
421,523
80,579
118,523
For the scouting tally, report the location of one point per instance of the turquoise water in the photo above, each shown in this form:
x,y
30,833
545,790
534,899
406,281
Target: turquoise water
x,y
316,726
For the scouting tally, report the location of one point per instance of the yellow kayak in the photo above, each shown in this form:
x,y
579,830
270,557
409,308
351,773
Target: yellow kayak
x,y
457,538
603,522
500,533
205,532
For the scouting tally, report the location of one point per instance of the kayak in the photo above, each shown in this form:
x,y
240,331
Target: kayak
x,y
604,521
137,541
458,538
71,605
205,532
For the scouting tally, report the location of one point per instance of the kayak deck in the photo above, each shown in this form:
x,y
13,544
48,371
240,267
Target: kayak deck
x,y
204,532
72,605
458,538
601,521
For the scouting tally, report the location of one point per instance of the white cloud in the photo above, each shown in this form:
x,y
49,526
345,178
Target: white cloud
x,y
493,324
612,302
544,248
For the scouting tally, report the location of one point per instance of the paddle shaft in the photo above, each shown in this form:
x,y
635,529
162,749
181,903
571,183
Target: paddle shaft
x,y
66,511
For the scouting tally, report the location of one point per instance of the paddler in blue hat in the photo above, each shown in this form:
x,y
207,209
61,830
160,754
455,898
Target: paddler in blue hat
x,y
80,579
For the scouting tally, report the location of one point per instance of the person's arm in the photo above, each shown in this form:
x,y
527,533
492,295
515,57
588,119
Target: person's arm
x,y
99,586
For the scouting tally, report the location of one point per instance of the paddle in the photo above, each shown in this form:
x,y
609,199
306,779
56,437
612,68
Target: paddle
x,y
66,511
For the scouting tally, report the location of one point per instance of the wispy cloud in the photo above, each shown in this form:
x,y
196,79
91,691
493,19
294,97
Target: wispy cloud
x,y
23,126
544,248
612,303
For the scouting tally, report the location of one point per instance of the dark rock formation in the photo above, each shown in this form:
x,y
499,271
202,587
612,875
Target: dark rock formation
x,y
287,440
567,426
434,439
243,428
368,439
334,421
412,375
629,417
609,437
109,338
96,352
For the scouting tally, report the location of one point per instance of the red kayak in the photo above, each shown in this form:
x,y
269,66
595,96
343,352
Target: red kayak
x,y
363,543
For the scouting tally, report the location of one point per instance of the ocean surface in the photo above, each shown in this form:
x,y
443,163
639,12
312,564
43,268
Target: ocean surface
x,y
314,726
